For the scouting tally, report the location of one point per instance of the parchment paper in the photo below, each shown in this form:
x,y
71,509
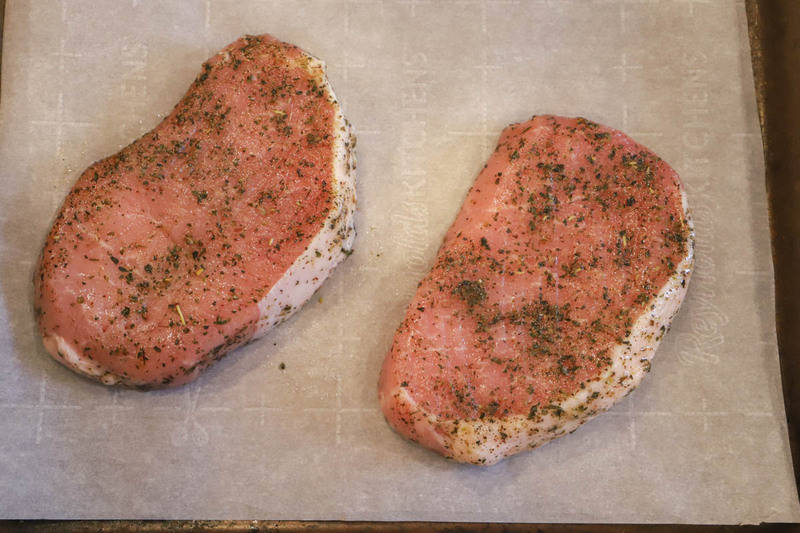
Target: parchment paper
x,y
428,86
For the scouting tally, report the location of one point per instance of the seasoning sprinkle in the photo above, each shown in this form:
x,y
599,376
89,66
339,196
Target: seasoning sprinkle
x,y
180,314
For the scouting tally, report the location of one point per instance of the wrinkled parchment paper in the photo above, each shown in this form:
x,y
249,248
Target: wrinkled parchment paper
x,y
428,86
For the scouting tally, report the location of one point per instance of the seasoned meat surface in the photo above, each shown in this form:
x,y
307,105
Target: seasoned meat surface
x,y
209,229
549,295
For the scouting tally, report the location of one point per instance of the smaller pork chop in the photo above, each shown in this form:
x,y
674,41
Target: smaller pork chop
x,y
549,296
208,230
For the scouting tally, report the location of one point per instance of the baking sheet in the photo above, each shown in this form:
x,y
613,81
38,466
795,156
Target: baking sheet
x,y
428,86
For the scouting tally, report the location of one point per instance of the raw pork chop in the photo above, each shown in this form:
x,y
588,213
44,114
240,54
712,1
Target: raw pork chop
x,y
208,230
548,297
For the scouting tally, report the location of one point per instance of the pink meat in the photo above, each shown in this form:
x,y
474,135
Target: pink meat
x,y
548,296
162,253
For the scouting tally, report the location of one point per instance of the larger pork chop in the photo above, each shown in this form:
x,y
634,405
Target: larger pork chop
x,y
552,289
208,230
